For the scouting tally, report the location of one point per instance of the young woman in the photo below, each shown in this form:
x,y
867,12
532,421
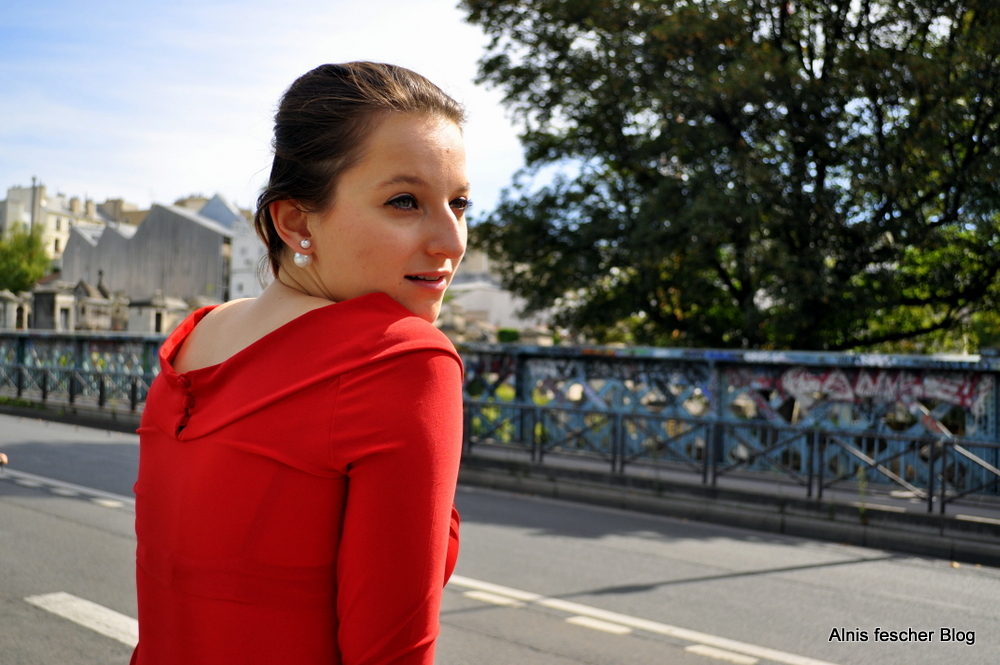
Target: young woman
x,y
299,452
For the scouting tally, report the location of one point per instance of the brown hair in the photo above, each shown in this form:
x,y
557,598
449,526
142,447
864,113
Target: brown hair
x,y
323,122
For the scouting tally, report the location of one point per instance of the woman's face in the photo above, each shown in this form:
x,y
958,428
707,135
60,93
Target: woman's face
x,y
397,224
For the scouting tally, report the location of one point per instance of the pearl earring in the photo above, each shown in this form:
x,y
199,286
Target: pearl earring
x,y
303,260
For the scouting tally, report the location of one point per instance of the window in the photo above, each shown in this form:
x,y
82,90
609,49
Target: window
x,y
56,245
64,318
159,322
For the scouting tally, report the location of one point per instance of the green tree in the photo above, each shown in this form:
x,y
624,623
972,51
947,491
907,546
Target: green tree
x,y
23,260
816,174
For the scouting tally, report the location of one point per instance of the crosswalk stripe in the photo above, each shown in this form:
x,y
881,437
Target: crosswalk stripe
x,y
493,598
597,624
719,643
66,489
90,615
720,654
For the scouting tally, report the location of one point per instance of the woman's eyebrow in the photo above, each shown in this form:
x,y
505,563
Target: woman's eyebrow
x,y
415,181
404,180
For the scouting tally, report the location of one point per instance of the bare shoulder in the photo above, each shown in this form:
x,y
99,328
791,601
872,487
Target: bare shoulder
x,y
235,325
205,344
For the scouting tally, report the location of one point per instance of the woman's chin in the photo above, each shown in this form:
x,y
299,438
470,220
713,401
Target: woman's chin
x,y
428,311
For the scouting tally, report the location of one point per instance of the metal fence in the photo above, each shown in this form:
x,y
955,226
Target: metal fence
x,y
105,370
926,427
923,427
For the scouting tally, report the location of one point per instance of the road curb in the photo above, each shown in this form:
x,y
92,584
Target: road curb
x,y
106,418
938,536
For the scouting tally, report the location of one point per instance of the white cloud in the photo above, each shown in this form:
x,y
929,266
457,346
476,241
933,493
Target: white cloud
x,y
157,101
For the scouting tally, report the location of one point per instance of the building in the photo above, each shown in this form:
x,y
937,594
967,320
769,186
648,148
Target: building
x,y
54,214
93,307
247,251
250,265
156,314
118,210
15,310
54,306
477,292
177,251
194,202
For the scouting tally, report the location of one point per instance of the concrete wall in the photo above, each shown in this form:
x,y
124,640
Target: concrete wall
x,y
54,311
144,319
248,250
174,250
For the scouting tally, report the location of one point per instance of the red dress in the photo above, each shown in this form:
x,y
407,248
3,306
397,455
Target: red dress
x,y
295,502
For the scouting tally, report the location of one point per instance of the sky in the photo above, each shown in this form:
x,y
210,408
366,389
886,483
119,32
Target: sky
x,y
155,101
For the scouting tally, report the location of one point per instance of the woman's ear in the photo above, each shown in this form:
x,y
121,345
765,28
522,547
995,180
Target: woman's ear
x,y
290,221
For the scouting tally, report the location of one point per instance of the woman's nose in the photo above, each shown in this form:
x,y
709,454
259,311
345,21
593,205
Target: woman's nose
x,y
449,235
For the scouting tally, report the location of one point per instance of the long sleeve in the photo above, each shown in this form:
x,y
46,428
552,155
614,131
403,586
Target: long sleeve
x,y
310,520
397,431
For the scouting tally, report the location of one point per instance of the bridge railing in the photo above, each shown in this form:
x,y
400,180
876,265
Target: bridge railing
x,y
920,425
924,427
105,370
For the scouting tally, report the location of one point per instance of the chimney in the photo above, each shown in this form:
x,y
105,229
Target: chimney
x,y
91,209
74,205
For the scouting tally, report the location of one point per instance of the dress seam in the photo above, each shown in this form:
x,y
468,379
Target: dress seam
x,y
333,421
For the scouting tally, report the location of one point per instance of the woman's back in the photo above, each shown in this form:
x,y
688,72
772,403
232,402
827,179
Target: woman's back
x,y
233,326
242,515
299,452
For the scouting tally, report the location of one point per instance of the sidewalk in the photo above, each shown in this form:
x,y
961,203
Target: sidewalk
x,y
115,419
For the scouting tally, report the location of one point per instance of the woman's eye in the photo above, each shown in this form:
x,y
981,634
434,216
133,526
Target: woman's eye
x,y
461,203
403,202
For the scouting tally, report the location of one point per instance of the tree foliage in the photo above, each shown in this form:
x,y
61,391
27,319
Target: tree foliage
x,y
23,260
816,174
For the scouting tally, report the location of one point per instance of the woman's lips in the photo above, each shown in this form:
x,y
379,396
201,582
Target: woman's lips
x,y
432,281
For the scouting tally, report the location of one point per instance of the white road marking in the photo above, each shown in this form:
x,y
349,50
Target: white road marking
x,y
719,654
470,583
977,518
640,624
878,506
493,598
597,624
108,503
90,615
64,488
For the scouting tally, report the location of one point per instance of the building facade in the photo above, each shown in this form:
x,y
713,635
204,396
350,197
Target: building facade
x,y
176,251
54,215
476,289
156,314
54,307
249,265
15,310
247,250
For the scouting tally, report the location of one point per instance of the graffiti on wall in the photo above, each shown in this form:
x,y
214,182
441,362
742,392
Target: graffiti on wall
x,y
966,390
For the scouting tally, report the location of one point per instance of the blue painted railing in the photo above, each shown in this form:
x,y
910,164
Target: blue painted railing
x,y
923,426
106,370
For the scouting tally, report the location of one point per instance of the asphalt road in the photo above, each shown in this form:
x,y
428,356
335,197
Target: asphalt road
x,y
538,581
